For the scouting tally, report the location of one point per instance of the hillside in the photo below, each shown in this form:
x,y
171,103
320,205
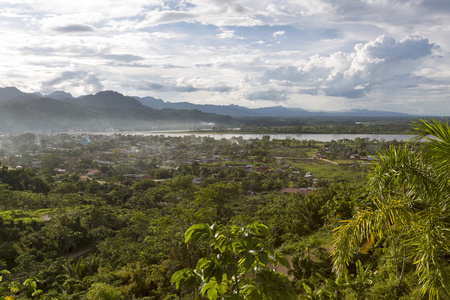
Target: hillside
x,y
274,111
45,114
115,99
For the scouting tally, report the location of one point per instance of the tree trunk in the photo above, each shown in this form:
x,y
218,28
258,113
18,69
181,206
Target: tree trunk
x,y
403,264
396,261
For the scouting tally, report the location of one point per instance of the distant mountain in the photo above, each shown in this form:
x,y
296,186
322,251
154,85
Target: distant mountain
x,y
9,94
370,113
281,111
108,99
152,102
46,114
42,114
112,109
274,111
60,95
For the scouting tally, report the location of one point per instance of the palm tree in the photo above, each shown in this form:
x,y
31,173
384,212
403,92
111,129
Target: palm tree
x,y
409,192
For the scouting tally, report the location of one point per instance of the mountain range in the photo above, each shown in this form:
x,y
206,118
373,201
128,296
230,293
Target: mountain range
x,y
274,111
106,110
115,99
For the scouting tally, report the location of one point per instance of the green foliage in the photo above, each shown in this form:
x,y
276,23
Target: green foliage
x,y
125,238
102,291
9,289
410,193
238,267
360,284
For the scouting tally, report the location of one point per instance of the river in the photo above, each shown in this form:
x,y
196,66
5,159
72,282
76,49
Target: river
x,y
280,136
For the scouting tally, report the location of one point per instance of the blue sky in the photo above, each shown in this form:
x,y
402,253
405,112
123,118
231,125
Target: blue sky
x,y
323,55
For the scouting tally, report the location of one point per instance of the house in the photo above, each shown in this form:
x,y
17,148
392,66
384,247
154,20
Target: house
x,y
60,171
105,163
140,177
93,173
197,180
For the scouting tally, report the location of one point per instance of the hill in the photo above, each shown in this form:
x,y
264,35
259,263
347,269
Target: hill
x,y
108,99
51,115
115,99
9,94
274,111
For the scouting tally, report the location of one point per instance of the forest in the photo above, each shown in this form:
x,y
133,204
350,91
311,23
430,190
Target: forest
x,y
85,216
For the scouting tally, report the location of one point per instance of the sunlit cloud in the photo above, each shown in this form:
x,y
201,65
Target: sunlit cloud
x,y
301,53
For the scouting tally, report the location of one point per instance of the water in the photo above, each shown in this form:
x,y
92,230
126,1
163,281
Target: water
x,y
280,136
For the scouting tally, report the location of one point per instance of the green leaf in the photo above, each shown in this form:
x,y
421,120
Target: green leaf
x,y
252,293
213,288
234,297
263,257
196,232
279,257
218,275
261,229
205,266
307,289
181,276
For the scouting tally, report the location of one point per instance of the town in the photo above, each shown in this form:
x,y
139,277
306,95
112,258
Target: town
x,y
83,213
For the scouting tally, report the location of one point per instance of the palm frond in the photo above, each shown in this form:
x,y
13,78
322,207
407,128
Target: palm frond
x,y
437,137
366,225
399,172
430,249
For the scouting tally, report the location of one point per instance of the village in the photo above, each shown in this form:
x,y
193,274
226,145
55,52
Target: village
x,y
265,164
122,203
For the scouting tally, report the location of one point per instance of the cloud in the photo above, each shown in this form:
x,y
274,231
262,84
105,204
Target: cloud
x,y
183,86
77,51
278,33
74,28
165,17
172,66
37,50
353,75
122,57
268,95
221,89
229,34
343,52
77,82
150,86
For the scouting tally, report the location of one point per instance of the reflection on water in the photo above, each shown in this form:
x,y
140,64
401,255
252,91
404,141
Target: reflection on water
x,y
280,136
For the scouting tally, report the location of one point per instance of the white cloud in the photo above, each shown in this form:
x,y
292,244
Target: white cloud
x,y
229,34
295,52
353,75
78,81
278,33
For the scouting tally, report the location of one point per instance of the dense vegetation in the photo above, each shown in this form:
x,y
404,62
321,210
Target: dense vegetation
x,y
135,217
339,125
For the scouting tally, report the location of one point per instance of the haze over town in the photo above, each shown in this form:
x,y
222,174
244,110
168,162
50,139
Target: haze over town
x,y
318,55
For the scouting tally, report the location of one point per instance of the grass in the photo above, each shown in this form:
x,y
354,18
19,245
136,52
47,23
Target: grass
x,y
330,172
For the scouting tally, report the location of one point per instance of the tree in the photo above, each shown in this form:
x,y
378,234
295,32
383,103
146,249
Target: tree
x,y
410,192
239,265
102,291
219,196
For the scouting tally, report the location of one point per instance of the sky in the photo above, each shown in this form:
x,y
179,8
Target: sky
x,y
319,55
